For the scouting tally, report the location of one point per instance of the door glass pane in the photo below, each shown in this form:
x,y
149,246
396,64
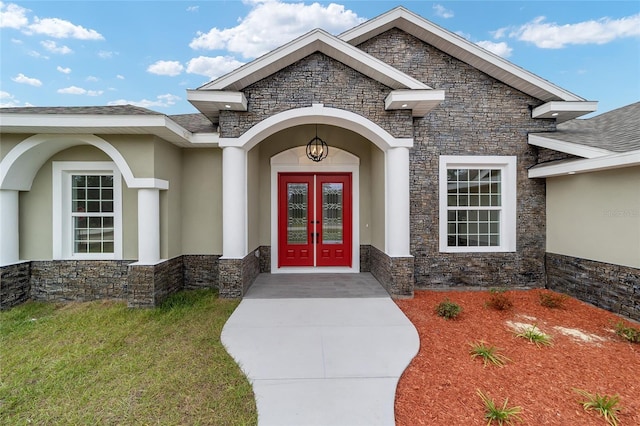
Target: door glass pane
x,y
297,202
332,213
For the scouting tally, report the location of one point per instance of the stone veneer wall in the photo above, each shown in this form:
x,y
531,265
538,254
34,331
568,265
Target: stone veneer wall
x,y
612,287
150,285
394,273
545,155
365,258
79,280
479,116
200,271
14,284
265,259
237,275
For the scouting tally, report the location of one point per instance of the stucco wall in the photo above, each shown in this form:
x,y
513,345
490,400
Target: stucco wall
x,y
201,211
596,216
36,226
168,166
479,116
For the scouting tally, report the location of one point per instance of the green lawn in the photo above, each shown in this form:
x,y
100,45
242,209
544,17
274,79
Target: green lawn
x,y
102,363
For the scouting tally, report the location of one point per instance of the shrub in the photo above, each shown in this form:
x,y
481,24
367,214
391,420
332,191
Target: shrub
x,y
628,333
503,414
489,354
448,309
552,300
606,405
534,335
499,300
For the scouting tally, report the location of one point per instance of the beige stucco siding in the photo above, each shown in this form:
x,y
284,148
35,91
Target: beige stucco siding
x,y
8,141
36,226
168,166
596,216
202,201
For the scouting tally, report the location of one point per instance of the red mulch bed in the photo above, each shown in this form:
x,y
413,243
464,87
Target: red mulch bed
x,y
440,385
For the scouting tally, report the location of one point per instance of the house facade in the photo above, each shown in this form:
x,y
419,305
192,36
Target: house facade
x,y
426,182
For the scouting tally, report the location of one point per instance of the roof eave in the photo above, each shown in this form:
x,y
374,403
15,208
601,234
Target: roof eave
x,y
420,102
608,162
542,140
564,110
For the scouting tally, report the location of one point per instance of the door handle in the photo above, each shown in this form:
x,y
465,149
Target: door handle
x,y
314,237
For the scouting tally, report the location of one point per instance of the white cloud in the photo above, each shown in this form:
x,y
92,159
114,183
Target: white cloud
x,y
23,79
442,12
92,78
35,54
74,90
53,47
170,68
162,101
13,16
193,8
105,54
16,41
212,67
120,77
272,23
59,28
7,100
500,49
550,35
64,70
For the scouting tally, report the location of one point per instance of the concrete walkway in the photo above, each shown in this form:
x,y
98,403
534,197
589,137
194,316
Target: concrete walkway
x,y
321,361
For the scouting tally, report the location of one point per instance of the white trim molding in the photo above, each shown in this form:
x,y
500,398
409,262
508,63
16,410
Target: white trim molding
x,y
508,205
583,151
564,110
420,102
608,162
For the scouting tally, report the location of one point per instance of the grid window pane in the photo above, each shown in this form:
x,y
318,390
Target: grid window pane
x,y
474,201
92,212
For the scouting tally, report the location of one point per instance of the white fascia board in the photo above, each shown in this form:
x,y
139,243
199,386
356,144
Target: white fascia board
x,y
567,147
314,41
564,110
614,161
208,139
424,30
233,101
419,101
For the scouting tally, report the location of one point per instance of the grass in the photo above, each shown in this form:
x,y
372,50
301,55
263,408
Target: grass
x,y
606,405
488,354
630,334
448,309
503,414
534,335
102,363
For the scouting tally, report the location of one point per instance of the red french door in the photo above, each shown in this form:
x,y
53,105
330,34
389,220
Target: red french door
x,y
314,219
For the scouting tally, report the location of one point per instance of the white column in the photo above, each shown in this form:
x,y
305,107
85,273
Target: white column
x,y
9,235
397,202
148,226
234,203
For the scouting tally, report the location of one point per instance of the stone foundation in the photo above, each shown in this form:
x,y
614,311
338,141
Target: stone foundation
x,y
14,284
200,271
237,275
612,287
79,280
365,258
394,273
265,259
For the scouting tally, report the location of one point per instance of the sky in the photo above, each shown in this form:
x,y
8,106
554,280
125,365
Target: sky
x,y
148,53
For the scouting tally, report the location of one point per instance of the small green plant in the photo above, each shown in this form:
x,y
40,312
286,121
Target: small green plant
x,y
501,414
499,300
606,405
448,309
552,300
489,354
628,333
534,335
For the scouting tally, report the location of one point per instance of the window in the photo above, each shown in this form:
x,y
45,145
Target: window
x,y
87,210
477,203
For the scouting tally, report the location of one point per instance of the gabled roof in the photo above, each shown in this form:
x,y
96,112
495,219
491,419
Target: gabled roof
x,y
461,49
609,140
314,41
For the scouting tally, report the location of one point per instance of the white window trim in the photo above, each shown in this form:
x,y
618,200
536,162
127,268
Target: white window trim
x,y
507,165
62,219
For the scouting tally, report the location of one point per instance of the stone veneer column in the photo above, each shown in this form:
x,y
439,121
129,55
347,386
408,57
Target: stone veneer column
x,y
9,242
397,202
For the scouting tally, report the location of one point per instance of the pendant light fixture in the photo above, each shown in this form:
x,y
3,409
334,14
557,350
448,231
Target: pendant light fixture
x,y
317,149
